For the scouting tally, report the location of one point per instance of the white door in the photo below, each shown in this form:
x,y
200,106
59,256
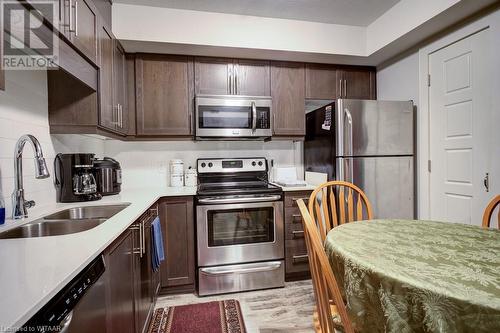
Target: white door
x,y
459,116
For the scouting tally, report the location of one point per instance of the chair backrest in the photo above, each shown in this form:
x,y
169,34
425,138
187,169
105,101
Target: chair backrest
x,y
326,288
336,202
494,203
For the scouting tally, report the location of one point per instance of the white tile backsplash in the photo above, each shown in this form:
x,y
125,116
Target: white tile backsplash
x,y
146,163
24,110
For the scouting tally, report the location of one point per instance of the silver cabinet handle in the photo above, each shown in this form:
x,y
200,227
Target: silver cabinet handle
x,y
254,117
486,182
76,18
230,79
345,88
120,115
138,227
240,199
303,257
235,79
298,233
70,23
255,268
64,325
296,217
340,83
304,199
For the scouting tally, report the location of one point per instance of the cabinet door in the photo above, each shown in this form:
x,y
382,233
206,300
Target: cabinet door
x,y
84,27
120,285
143,279
358,84
213,76
164,95
253,77
120,88
107,111
288,93
177,225
321,81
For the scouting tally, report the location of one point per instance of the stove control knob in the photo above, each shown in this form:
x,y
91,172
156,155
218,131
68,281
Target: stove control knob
x,y
203,165
210,164
260,163
253,163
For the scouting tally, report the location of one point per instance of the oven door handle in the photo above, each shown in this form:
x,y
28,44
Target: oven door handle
x,y
239,199
261,268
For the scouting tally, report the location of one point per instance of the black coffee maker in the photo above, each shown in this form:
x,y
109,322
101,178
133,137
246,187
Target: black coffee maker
x,y
74,179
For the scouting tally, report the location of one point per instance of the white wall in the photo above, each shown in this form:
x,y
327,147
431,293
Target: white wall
x,y
146,163
399,80
23,110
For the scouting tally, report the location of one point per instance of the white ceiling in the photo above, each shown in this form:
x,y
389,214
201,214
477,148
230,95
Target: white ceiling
x,y
348,12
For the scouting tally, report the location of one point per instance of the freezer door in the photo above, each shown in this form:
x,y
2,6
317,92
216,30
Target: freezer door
x,y
374,128
387,181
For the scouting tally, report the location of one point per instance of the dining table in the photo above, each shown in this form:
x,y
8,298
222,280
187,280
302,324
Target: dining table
x,y
417,276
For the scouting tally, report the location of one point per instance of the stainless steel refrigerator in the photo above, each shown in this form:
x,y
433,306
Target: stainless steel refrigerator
x,y
368,143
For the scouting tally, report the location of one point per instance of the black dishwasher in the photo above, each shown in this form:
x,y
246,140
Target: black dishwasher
x,y
80,307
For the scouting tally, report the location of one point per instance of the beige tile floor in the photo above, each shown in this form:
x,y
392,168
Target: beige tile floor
x,y
280,310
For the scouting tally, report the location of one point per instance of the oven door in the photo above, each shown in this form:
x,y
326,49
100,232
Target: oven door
x,y
233,116
239,233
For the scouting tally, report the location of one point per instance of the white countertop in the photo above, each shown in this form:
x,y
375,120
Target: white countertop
x,y
296,188
33,270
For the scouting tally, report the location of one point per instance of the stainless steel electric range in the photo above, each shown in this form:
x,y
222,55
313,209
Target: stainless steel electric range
x,y
240,233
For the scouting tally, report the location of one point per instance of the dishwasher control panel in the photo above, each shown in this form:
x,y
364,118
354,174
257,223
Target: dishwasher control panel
x,y
54,312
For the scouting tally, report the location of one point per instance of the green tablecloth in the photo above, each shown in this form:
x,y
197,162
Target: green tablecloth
x,y
418,276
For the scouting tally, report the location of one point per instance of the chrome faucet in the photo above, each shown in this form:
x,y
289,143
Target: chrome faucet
x,y
19,204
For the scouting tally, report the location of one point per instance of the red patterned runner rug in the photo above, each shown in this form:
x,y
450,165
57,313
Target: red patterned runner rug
x,y
211,317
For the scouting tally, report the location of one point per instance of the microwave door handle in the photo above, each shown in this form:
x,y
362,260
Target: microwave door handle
x,y
254,117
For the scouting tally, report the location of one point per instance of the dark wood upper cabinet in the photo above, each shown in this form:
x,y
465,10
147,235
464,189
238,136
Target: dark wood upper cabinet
x,y
177,223
78,21
321,81
288,94
164,95
213,76
107,112
120,88
119,259
222,76
253,77
357,83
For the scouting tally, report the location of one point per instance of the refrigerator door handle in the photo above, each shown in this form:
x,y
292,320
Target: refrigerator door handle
x,y
348,132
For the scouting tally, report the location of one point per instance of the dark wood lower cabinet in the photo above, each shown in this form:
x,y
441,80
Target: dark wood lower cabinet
x,y
177,221
131,284
296,259
119,259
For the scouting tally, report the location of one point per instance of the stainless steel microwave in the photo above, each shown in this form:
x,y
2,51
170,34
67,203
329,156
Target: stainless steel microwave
x,y
221,117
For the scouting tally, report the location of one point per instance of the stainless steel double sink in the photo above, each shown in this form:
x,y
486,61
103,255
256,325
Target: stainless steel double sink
x,y
68,221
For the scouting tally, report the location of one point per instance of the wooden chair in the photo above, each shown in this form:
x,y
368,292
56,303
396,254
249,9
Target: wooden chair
x,y
331,312
494,203
333,203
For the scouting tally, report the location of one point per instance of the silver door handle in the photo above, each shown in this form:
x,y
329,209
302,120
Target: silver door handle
x,y
230,80
486,182
64,325
348,122
254,117
240,199
261,268
70,23
138,227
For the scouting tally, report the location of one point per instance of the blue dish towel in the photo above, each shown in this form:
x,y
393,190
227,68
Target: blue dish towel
x,y
158,253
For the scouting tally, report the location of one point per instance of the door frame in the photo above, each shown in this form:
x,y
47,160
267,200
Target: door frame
x,y
489,22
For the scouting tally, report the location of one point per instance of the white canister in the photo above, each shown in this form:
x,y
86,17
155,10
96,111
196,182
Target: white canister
x,y
176,167
190,177
177,180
